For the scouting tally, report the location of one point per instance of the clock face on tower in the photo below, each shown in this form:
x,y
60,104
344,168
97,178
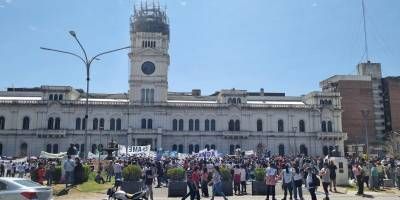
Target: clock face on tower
x,y
148,67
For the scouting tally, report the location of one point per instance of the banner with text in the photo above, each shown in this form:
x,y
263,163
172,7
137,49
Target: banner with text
x,y
139,150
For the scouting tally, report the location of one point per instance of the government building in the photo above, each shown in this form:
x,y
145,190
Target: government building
x,y
51,118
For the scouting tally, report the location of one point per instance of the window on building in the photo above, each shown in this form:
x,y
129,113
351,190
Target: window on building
x,y
2,122
325,150
149,123
280,126
231,149
234,100
323,126
213,125
84,123
55,148
60,97
302,127
259,125
101,127
281,149
229,100
1,149
55,97
231,125
237,125
51,97
25,123
119,124
181,125
48,148
78,124
50,123
174,147
175,125
57,125
142,95
190,148
196,148
213,146
190,124
94,148
83,150
303,150
112,124
206,125
207,147
143,126
330,129
180,148
95,124
196,125
24,149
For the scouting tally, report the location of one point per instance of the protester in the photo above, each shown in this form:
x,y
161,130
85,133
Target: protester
x,y
40,173
287,181
148,180
325,177
332,171
236,180
69,166
78,172
50,173
357,171
217,184
271,176
298,181
204,182
99,179
312,182
243,179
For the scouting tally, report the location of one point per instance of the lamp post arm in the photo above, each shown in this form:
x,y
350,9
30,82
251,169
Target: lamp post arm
x,y
83,49
65,52
106,52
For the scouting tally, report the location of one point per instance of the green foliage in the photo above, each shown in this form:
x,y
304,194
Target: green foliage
x,y
226,174
132,173
86,172
259,173
176,174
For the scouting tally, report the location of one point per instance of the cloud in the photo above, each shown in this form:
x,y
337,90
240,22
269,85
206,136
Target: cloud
x,y
314,4
8,1
183,3
2,6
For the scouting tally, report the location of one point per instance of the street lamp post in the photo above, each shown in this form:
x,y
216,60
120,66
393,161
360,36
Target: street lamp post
x,y
365,114
294,129
87,61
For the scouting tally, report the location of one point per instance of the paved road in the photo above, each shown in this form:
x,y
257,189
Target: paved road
x,y
161,194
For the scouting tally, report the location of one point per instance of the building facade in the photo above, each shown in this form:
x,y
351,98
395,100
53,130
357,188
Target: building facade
x,y
50,118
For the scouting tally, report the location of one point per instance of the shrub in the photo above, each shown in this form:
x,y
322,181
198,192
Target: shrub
x,y
226,174
259,173
176,174
86,172
132,173
57,174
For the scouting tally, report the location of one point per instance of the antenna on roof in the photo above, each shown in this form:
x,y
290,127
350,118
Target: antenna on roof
x,y
365,32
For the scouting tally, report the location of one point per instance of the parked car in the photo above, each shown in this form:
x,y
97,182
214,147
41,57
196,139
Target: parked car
x,y
24,189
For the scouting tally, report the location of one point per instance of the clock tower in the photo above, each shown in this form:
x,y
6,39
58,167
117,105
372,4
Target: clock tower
x,y
149,59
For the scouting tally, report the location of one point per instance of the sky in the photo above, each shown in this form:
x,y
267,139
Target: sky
x,y
279,45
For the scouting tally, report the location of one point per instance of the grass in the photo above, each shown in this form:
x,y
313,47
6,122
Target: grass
x,y
92,186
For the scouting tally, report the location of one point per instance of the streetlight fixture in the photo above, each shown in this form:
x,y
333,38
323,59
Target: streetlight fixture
x,y
87,62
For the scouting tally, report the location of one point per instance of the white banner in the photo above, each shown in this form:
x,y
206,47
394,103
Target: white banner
x,y
135,150
207,154
44,154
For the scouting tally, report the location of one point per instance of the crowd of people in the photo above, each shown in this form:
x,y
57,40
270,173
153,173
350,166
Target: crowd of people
x,y
291,173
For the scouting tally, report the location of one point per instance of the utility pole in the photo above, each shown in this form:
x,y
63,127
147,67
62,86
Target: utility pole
x,y
365,114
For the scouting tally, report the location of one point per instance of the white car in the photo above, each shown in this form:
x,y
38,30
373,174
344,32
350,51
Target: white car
x,y
23,189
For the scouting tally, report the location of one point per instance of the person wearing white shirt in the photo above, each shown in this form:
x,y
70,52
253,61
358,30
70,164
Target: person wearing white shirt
x,y
243,179
287,181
